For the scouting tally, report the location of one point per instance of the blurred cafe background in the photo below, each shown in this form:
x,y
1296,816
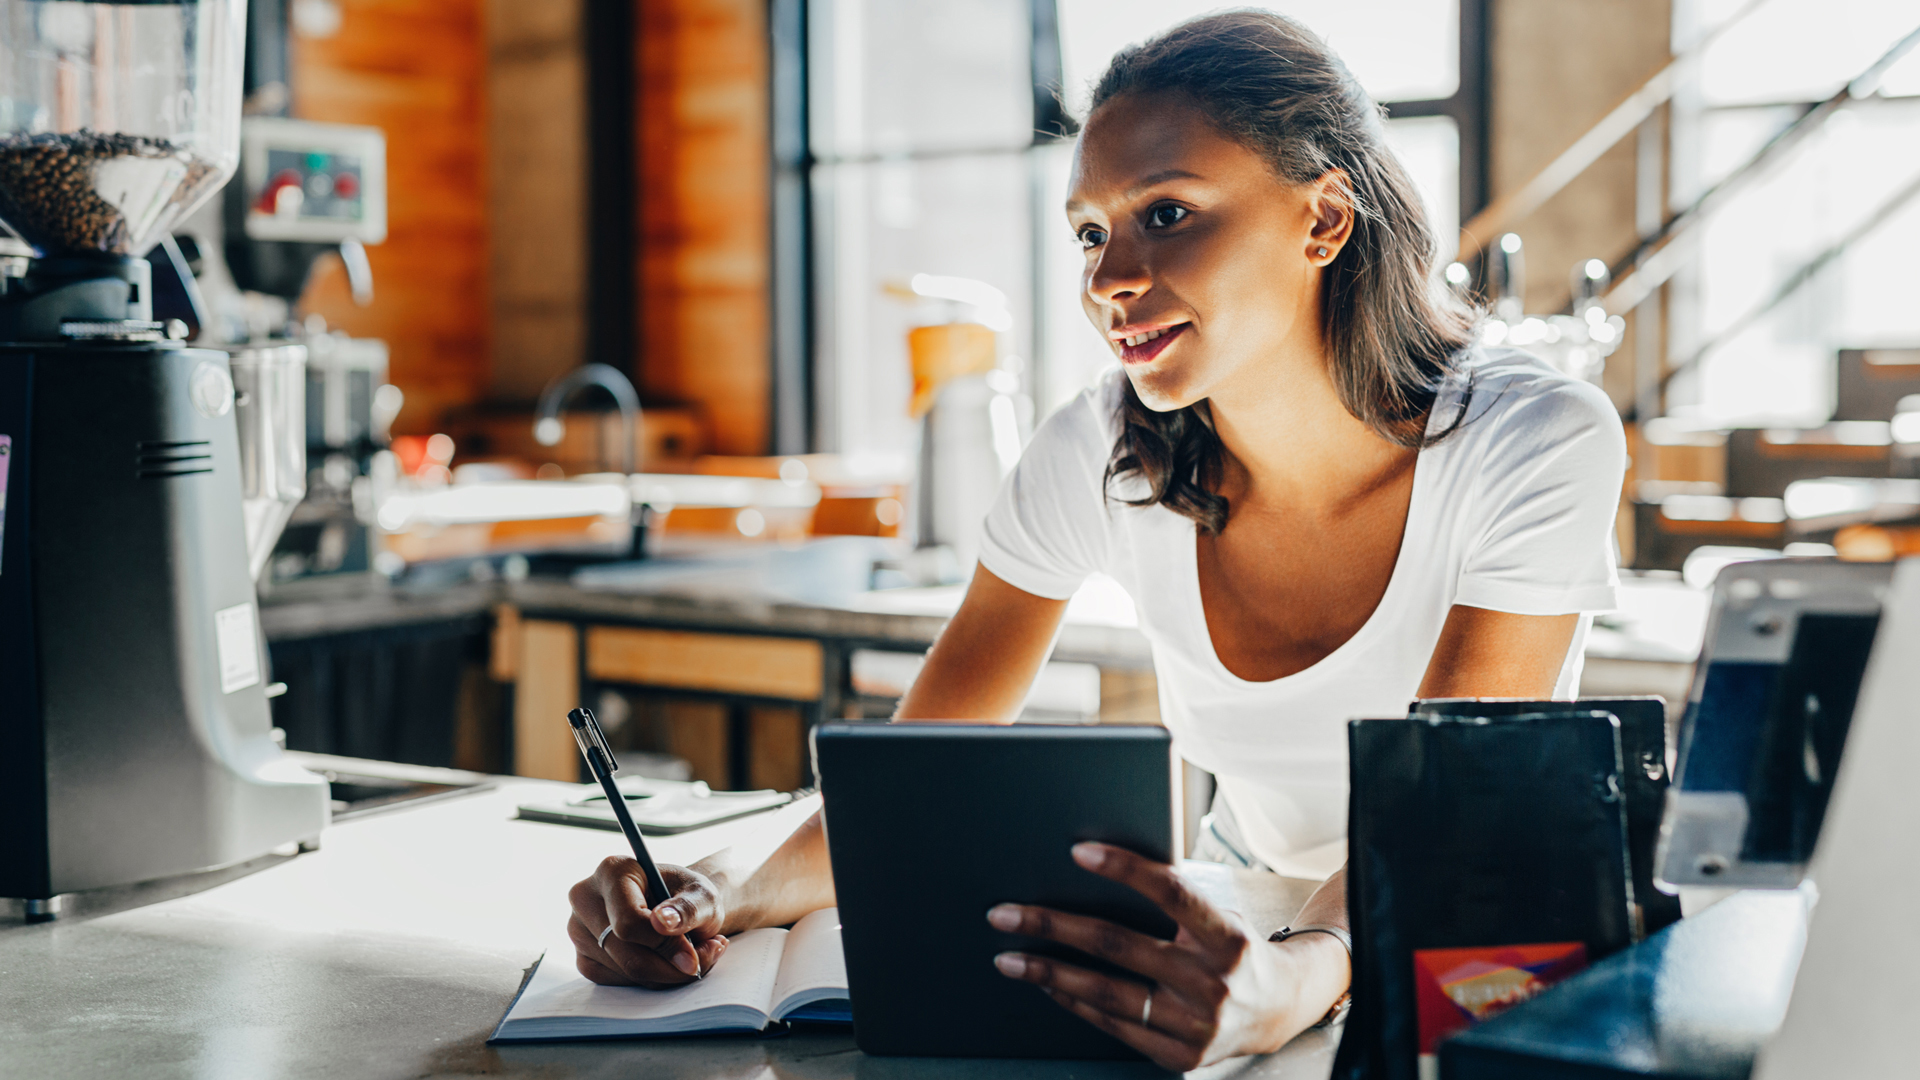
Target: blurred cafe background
x,y
664,355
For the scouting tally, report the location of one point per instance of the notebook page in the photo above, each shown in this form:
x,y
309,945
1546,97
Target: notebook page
x,y
743,977
814,968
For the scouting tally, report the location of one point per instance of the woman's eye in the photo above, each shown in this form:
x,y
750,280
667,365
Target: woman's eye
x,y
1166,214
1091,237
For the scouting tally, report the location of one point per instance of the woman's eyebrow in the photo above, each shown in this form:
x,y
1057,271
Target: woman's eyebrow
x,y
1143,184
1160,177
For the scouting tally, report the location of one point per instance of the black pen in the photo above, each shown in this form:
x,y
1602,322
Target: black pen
x,y
593,746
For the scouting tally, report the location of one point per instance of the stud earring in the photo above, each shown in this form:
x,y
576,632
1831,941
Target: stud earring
x,y
1320,251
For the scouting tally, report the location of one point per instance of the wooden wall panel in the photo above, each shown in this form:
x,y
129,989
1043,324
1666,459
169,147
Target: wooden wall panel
x,y
421,70
417,69
537,153
705,189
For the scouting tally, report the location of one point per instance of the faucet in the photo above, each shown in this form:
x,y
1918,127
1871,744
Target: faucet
x,y
548,427
353,255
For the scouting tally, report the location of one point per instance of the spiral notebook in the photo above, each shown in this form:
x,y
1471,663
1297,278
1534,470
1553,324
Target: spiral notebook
x,y
764,976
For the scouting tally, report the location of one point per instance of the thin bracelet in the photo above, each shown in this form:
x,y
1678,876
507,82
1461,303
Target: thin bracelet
x,y
1344,1003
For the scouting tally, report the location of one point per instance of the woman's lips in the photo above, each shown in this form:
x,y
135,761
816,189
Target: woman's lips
x,y
1147,350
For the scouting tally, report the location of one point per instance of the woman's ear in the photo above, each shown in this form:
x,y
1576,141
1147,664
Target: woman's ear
x,y
1330,201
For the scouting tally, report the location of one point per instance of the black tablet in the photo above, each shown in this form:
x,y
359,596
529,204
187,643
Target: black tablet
x,y
929,825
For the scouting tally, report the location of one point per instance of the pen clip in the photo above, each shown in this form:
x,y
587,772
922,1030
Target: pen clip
x,y
586,732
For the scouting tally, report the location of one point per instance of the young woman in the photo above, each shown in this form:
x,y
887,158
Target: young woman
x,y
1324,498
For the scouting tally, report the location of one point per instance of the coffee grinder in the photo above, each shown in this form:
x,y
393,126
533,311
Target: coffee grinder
x,y
135,738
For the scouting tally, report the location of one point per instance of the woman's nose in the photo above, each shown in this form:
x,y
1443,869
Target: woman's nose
x,y
1117,274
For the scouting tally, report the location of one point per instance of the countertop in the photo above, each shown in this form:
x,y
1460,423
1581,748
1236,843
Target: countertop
x,y
819,590
395,949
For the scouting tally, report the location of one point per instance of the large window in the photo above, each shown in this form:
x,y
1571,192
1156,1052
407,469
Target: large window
x,y
926,156
1761,361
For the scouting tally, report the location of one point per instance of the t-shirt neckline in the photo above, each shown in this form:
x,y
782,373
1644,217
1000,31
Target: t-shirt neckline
x,y
1416,508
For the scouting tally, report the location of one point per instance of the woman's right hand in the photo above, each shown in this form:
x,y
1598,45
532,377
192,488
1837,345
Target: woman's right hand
x,y
659,947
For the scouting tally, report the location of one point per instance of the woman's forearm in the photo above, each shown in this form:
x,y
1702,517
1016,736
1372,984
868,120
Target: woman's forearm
x,y
1328,904
1323,969
984,662
762,886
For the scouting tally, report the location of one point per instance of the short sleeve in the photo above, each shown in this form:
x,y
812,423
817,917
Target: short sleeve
x,y
1047,530
1547,495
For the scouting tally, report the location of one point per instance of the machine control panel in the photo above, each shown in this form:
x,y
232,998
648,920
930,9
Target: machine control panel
x,y
313,182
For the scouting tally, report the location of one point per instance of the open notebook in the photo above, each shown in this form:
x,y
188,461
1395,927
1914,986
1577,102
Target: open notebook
x,y
765,975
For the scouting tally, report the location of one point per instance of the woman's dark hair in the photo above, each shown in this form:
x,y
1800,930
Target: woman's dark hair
x,y
1392,332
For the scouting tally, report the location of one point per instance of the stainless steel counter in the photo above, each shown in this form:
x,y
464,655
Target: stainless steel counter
x,y
394,950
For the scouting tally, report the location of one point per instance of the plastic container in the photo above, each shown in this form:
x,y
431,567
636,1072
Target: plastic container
x,y
116,120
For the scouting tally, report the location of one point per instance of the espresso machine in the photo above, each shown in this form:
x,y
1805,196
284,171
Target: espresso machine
x,y
135,737
308,191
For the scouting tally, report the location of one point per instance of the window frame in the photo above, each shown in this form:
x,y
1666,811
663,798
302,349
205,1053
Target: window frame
x,y
1685,345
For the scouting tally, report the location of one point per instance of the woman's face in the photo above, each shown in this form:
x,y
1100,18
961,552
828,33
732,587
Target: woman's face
x,y
1192,239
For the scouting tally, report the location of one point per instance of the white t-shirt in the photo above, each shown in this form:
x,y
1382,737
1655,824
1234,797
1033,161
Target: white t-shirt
x,y
1513,512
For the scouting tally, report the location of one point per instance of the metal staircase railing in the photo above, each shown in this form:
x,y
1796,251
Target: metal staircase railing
x,y
1806,272
1657,257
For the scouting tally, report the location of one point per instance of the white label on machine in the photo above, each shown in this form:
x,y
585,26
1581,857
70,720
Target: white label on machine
x,y
239,646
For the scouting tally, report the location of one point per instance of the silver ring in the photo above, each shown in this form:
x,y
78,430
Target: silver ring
x,y
602,939
1146,1009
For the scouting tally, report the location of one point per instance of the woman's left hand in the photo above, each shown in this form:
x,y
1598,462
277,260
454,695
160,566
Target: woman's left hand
x,y
1217,990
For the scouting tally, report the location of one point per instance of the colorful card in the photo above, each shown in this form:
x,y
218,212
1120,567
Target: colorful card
x,y
1458,988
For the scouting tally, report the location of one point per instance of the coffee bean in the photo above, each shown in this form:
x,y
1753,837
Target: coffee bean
x,y
49,190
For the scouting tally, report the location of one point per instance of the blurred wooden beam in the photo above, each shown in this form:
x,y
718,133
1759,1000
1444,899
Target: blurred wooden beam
x,y
548,686
788,668
705,231
537,203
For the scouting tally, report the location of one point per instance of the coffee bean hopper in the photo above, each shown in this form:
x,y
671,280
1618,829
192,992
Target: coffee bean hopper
x,y
135,738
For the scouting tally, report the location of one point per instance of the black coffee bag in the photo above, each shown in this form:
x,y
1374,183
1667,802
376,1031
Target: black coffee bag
x,y
1488,860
